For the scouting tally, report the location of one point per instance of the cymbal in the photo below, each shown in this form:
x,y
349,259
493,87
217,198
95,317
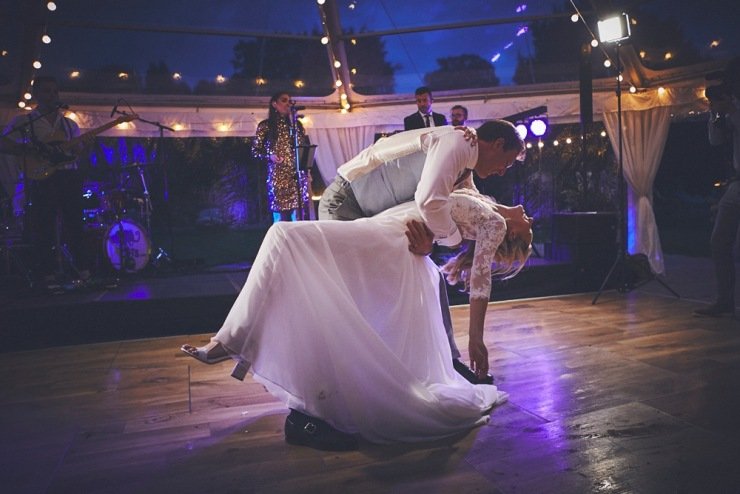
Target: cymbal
x,y
136,165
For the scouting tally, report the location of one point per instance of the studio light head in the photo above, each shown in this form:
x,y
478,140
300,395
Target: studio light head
x,y
614,29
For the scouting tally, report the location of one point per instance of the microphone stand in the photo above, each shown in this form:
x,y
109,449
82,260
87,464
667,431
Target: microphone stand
x,y
162,254
296,153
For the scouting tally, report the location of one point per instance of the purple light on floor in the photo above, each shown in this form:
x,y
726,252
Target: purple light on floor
x,y
139,292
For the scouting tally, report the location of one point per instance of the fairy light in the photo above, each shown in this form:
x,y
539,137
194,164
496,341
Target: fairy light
x,y
714,43
27,96
540,144
568,140
260,81
21,104
353,41
123,76
299,84
574,18
36,64
75,74
220,79
643,53
603,133
178,127
661,90
529,145
594,42
51,6
46,39
325,40
320,2
607,63
338,83
633,89
354,71
176,76
668,55
556,143
337,64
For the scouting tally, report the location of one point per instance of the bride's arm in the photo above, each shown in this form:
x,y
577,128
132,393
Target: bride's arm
x,y
476,348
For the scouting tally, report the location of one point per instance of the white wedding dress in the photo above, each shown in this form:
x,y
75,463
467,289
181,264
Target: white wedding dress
x,y
340,321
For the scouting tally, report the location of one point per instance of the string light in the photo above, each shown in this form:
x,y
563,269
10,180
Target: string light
x,y
51,6
299,84
633,89
568,140
603,133
220,79
74,74
594,42
325,40
36,64
556,143
177,76
607,63
574,18
338,83
320,2
668,55
21,104
714,43
337,64
27,96
46,39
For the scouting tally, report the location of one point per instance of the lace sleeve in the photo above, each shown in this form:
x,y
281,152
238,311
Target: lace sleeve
x,y
478,221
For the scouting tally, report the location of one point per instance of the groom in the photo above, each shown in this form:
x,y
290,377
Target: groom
x,y
424,165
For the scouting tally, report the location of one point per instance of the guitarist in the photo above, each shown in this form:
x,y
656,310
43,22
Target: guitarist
x,y
54,204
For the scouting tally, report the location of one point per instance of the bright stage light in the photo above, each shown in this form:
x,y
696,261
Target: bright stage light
x,y
538,127
521,129
614,29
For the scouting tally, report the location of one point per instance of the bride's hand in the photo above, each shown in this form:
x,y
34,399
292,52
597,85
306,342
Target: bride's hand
x,y
478,357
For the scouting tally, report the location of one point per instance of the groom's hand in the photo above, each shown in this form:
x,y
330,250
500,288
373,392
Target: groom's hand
x,y
421,238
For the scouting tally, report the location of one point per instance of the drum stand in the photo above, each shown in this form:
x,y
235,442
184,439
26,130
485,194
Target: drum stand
x,y
161,257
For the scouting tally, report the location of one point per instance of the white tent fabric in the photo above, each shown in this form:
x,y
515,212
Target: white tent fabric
x,y
644,134
340,136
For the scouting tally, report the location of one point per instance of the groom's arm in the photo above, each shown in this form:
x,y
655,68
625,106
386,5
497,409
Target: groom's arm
x,y
421,238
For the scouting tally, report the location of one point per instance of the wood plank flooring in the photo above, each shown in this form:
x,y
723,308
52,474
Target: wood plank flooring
x,y
632,395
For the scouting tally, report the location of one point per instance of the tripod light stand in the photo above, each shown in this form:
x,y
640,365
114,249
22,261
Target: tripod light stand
x,y
616,30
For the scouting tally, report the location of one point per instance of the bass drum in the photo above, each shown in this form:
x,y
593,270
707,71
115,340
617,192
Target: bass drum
x,y
127,246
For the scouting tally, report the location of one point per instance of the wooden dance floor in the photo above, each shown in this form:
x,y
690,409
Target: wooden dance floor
x,y
631,395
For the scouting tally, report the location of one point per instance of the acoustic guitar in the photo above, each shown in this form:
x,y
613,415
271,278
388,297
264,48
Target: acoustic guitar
x,y
44,158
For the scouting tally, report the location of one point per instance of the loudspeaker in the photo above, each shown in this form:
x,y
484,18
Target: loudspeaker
x,y
585,87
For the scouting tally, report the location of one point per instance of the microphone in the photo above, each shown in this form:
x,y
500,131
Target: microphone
x,y
113,111
62,106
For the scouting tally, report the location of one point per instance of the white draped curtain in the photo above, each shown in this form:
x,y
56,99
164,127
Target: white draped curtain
x,y
337,146
644,133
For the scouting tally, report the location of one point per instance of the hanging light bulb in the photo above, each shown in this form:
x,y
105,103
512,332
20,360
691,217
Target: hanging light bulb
x,y
46,39
51,6
594,42
36,64
574,18
325,40
337,64
607,63
27,96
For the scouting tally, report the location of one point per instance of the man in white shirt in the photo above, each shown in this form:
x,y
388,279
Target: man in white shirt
x,y
423,165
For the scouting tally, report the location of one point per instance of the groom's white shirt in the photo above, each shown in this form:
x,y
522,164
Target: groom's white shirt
x,y
424,164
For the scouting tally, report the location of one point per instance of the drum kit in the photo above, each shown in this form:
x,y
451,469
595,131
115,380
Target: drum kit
x,y
117,221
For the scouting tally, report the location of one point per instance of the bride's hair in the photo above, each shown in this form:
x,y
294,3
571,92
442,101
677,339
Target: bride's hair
x,y
510,258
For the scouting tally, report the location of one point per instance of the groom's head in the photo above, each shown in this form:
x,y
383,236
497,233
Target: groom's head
x,y
499,146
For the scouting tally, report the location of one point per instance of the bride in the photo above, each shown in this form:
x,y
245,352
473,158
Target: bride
x,y
341,322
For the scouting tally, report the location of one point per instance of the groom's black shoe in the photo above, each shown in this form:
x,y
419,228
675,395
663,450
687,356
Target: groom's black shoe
x,y
304,430
468,373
